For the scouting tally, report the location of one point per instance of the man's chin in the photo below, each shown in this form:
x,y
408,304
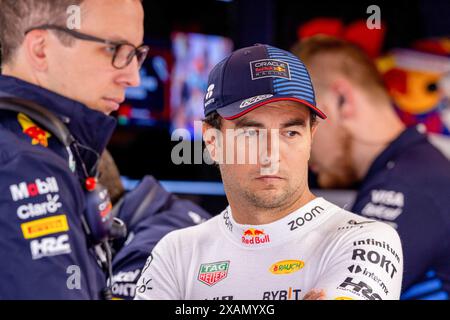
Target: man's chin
x,y
268,198
100,108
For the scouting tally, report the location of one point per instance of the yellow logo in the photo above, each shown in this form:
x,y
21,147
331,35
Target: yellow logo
x,y
286,266
343,298
37,135
43,227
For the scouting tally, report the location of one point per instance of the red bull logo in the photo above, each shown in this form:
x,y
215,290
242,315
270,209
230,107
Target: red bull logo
x,y
38,135
279,69
255,236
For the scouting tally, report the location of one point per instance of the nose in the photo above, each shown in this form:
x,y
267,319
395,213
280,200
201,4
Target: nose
x,y
270,154
269,147
130,76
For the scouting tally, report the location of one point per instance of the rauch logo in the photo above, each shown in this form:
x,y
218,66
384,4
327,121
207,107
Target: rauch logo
x,y
286,266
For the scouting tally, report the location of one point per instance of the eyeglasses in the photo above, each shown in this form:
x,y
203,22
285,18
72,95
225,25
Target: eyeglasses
x,y
124,52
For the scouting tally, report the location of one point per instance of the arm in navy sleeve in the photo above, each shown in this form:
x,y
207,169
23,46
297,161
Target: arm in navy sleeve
x,y
42,243
161,213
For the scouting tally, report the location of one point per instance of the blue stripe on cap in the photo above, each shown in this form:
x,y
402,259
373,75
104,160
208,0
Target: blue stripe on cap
x,y
296,78
300,74
297,92
299,85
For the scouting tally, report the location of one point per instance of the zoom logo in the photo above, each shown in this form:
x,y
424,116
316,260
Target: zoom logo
x,y
308,216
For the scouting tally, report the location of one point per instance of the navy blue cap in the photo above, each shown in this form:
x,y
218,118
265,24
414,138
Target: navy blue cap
x,y
254,76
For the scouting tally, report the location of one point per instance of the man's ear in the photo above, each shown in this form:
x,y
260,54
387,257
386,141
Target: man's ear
x,y
35,46
211,136
344,96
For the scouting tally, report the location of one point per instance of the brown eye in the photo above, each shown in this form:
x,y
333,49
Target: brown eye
x,y
292,134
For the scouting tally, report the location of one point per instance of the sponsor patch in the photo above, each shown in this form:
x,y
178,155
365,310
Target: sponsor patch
x,y
226,218
357,269
253,100
208,98
305,218
33,210
351,224
253,236
51,246
289,294
46,226
270,68
38,135
286,266
39,187
221,298
361,289
211,273
376,258
124,283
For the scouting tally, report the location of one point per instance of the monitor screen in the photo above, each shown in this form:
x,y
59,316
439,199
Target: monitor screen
x,y
149,104
195,56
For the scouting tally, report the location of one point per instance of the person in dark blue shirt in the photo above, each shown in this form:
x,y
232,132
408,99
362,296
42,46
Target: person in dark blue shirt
x,y
149,212
78,73
402,179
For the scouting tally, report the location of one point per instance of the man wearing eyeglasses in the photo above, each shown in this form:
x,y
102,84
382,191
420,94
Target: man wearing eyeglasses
x,y
80,76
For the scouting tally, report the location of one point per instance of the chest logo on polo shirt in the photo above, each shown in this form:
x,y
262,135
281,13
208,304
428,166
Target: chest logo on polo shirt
x,y
38,135
286,266
253,236
211,273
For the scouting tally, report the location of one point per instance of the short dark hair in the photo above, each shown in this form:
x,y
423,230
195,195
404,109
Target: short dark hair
x,y
214,120
16,16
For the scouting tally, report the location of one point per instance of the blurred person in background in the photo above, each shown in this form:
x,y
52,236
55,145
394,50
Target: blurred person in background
x,y
401,178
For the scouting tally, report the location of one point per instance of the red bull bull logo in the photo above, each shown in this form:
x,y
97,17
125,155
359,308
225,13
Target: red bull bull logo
x,y
38,135
255,236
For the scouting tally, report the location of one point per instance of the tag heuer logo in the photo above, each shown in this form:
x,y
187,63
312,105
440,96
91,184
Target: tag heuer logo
x,y
211,273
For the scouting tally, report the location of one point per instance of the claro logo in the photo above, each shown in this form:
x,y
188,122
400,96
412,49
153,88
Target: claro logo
x,y
308,216
286,266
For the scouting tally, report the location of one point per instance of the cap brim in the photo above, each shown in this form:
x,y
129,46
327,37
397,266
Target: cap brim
x,y
234,110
